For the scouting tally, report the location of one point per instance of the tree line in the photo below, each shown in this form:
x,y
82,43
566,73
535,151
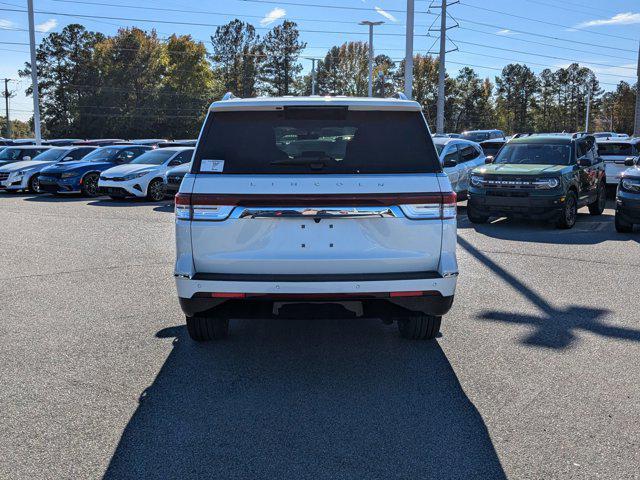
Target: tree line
x,y
134,84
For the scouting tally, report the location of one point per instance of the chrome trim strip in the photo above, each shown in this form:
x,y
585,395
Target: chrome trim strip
x,y
317,212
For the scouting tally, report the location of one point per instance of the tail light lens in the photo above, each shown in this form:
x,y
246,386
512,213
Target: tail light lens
x,y
188,208
437,207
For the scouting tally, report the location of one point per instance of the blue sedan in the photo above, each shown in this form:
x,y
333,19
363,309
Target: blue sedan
x,y
82,176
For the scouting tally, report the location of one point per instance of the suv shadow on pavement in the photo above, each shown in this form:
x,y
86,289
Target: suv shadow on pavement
x,y
320,399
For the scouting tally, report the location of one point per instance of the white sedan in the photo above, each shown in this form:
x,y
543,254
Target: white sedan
x,y
458,158
143,177
615,153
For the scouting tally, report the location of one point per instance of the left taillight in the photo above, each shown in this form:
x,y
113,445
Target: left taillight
x,y
194,207
433,207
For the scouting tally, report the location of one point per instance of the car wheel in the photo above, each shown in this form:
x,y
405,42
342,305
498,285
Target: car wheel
x,y
155,190
202,329
569,212
597,207
622,226
419,327
90,185
34,184
475,217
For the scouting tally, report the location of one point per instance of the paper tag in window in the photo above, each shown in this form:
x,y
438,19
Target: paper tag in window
x,y
207,165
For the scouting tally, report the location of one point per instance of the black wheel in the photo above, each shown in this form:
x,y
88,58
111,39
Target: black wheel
x,y
155,190
476,217
622,226
90,185
34,184
569,212
597,207
419,327
202,329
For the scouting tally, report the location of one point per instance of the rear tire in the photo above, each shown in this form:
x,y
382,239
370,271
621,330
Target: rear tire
x,y
419,327
622,226
202,329
569,212
597,207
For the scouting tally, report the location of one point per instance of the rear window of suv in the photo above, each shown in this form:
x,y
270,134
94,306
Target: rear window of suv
x,y
616,149
326,140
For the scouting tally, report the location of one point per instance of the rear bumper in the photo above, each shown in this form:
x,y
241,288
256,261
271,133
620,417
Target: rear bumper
x,y
436,298
540,207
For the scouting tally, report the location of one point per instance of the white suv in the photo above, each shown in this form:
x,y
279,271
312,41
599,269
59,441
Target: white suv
x,y
315,206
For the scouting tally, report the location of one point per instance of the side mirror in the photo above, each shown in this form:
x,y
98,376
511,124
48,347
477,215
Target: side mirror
x,y
489,159
174,163
584,162
629,162
449,163
26,159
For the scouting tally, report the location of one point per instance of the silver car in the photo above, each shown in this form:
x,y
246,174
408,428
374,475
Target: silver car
x,y
458,158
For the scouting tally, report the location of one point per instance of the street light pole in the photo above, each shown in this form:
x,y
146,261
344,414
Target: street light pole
x,y
371,25
586,123
34,75
6,106
636,127
408,55
313,76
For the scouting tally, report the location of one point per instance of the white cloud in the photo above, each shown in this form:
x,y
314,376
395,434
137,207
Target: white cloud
x,y
7,24
385,14
47,26
506,31
626,18
273,15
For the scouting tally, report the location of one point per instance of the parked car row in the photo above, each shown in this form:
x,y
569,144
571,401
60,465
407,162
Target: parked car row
x,y
116,170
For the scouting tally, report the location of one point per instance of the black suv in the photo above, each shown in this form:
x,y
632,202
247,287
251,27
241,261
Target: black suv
x,y
540,176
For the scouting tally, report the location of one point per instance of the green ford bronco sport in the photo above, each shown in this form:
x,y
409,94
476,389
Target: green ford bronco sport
x,y
542,177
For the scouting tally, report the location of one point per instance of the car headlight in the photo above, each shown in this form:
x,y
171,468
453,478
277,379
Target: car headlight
x,y
131,176
630,185
476,180
69,175
548,183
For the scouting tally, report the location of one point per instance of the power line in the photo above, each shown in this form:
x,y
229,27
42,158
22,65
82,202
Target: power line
x,y
529,19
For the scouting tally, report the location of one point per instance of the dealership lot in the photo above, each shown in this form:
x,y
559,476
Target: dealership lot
x,y
535,375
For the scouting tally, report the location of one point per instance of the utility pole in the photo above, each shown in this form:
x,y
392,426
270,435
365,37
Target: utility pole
x,y
371,25
6,106
586,122
313,76
408,55
441,67
636,129
34,75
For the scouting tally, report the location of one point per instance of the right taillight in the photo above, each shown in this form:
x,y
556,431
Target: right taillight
x,y
435,207
188,208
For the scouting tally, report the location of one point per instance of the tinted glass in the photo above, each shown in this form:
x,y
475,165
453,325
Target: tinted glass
x,y
102,154
476,136
318,141
50,155
154,157
491,148
468,153
439,148
621,149
535,154
10,154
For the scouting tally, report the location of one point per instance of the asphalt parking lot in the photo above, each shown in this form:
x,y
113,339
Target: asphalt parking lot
x,y
536,373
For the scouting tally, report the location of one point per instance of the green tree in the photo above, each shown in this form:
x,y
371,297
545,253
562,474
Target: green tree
x,y
237,56
188,87
515,98
280,68
67,78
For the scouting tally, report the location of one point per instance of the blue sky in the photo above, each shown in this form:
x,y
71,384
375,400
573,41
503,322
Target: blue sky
x,y
491,34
